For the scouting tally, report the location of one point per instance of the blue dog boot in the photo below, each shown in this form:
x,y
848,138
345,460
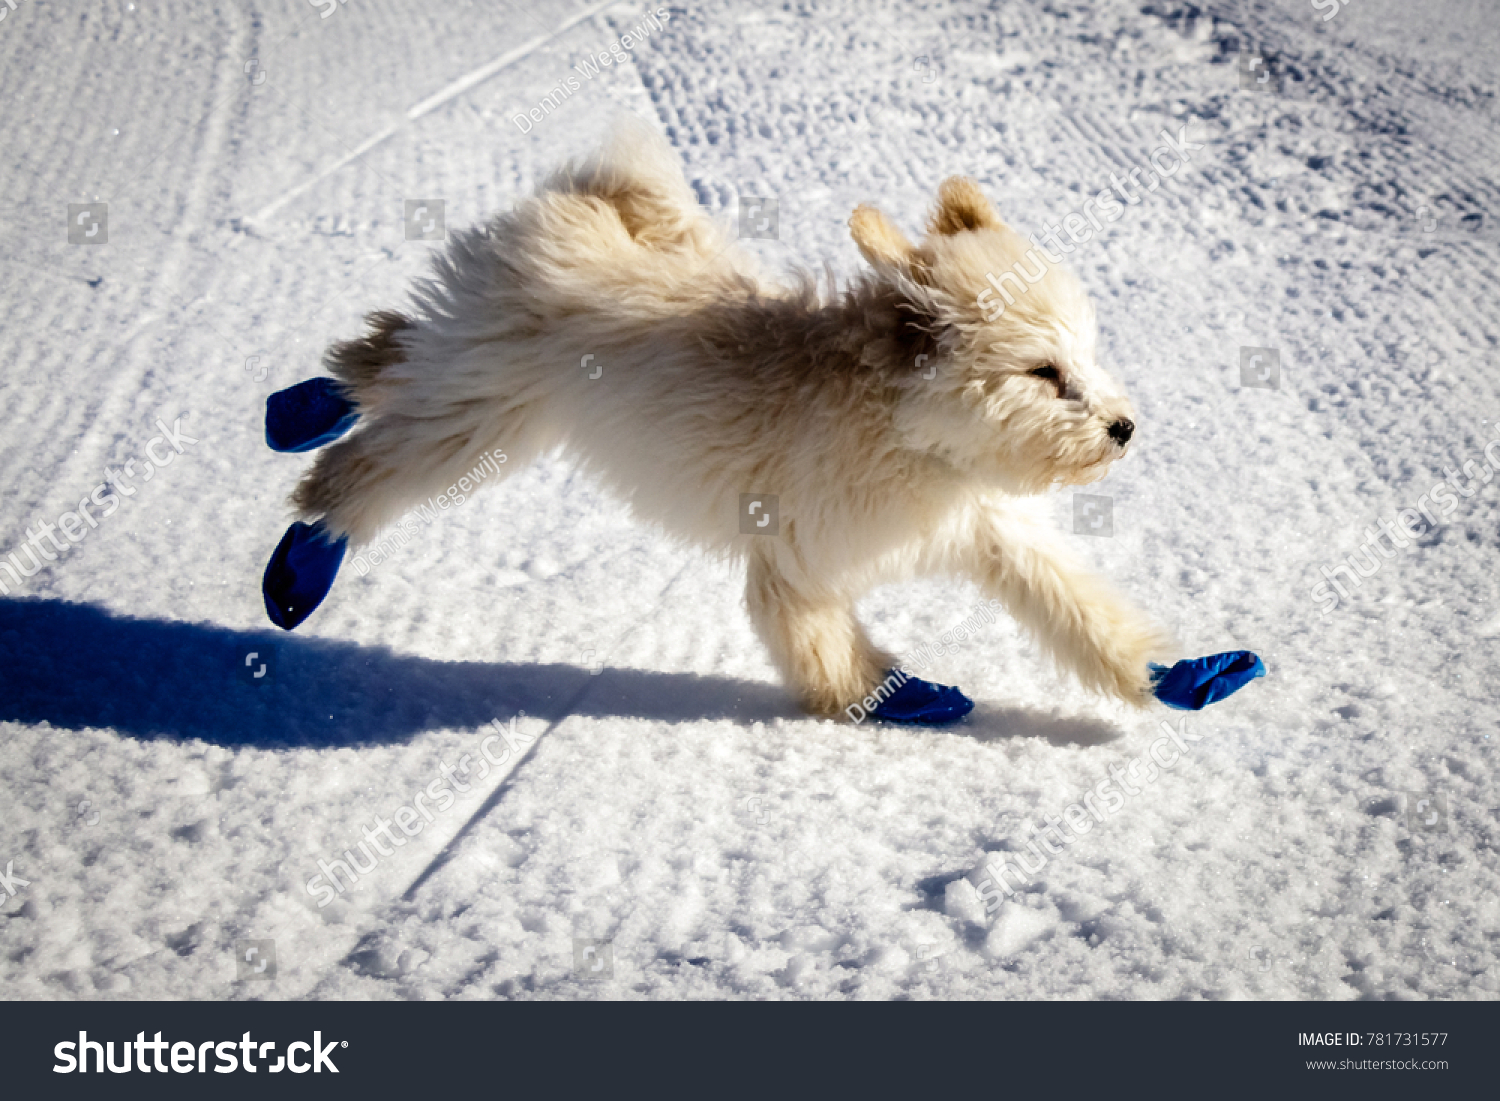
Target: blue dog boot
x,y
920,701
1194,683
300,573
308,415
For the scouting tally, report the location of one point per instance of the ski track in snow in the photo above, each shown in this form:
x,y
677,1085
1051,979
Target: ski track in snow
x,y
663,793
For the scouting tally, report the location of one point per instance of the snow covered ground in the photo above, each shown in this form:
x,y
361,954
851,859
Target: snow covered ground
x,y
1329,833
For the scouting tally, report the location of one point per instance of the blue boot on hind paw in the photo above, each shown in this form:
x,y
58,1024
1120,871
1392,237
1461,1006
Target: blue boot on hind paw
x,y
921,701
300,573
308,415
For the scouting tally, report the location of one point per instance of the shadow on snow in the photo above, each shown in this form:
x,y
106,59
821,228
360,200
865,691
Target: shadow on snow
x,y
76,666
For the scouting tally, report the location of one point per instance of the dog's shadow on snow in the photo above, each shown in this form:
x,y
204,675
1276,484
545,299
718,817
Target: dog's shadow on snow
x,y
995,724
77,666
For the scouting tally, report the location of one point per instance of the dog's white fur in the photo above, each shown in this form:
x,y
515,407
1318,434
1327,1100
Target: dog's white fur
x,y
716,382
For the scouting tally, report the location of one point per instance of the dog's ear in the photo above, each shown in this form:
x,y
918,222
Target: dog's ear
x,y
911,340
885,246
960,206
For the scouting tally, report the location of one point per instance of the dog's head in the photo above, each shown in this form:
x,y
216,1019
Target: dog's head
x,y
1008,388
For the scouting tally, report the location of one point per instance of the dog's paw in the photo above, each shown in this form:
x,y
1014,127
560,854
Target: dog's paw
x,y
921,702
1126,665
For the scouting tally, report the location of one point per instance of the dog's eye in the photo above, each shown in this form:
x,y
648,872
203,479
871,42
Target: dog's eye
x,y
1048,372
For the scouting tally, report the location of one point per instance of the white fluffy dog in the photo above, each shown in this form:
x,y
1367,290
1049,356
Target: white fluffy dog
x,y
901,427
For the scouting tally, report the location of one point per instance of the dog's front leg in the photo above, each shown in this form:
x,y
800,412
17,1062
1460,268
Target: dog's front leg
x,y
1077,616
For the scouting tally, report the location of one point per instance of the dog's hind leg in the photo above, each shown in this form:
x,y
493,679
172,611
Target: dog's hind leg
x,y
419,431
1078,617
814,639
396,461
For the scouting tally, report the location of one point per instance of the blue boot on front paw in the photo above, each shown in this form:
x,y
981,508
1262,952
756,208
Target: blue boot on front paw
x,y
300,573
1194,683
920,701
308,415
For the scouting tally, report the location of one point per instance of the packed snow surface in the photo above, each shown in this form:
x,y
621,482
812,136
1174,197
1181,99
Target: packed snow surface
x,y
591,783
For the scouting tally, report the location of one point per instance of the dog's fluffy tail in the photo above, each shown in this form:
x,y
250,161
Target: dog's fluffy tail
x,y
359,362
481,364
638,173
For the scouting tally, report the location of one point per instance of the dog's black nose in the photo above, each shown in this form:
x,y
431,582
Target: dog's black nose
x,y
1121,431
